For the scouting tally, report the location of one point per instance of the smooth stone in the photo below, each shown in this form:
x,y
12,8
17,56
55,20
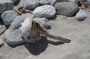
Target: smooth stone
x,y
66,8
8,17
44,11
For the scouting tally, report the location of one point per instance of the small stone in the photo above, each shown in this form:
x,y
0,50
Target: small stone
x,y
31,4
44,11
81,15
8,16
5,5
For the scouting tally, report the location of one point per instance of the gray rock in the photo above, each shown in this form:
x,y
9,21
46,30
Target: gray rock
x,y
66,8
44,11
31,4
81,15
5,5
15,1
51,2
13,34
43,21
8,16
13,37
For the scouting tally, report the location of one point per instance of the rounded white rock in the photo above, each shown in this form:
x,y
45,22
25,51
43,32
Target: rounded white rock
x,y
44,11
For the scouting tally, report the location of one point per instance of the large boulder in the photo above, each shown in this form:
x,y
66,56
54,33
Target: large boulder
x,y
13,36
44,11
51,2
5,5
43,21
31,4
66,8
8,16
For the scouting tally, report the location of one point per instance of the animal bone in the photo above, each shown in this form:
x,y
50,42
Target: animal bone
x,y
33,29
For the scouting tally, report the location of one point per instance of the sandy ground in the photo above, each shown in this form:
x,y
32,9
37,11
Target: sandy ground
x,y
77,31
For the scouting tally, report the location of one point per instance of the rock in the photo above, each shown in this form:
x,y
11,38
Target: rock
x,y
5,5
15,2
51,2
31,4
66,8
13,36
43,21
44,11
8,16
81,15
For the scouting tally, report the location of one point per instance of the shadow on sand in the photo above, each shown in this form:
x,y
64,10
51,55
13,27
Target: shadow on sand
x,y
37,47
40,46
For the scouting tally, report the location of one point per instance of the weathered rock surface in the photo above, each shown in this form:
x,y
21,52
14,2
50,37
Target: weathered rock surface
x,y
43,21
8,16
44,11
66,8
5,5
31,4
81,15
